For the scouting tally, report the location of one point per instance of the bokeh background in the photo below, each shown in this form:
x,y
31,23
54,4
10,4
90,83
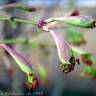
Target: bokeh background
x,y
12,79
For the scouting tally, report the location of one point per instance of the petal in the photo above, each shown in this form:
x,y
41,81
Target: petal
x,y
51,22
79,21
64,51
24,65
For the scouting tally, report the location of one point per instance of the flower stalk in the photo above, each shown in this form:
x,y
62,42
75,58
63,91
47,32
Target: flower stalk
x,y
17,20
18,6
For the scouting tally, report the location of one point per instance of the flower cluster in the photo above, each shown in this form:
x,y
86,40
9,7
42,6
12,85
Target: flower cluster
x,y
67,54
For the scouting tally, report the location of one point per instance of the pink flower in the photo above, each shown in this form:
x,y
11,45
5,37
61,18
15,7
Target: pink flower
x,y
65,53
24,65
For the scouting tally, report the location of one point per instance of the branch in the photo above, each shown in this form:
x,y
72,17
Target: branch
x,y
18,6
17,20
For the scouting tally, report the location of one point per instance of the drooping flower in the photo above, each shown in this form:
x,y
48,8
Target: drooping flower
x,y
24,65
78,21
65,53
51,22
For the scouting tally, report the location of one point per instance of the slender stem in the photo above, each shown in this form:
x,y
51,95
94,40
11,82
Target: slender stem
x,y
24,21
12,41
18,6
17,20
